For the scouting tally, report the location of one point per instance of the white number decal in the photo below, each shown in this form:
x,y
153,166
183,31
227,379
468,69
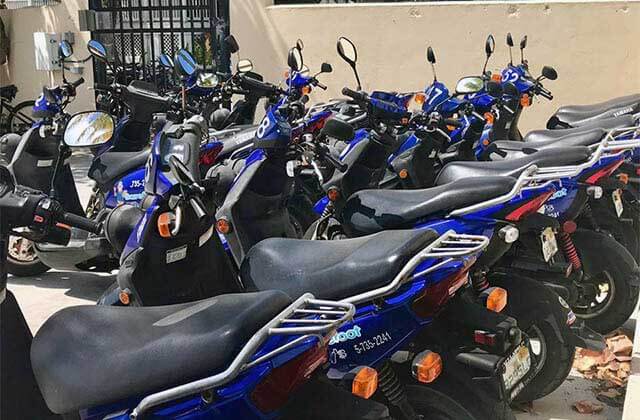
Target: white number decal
x,y
433,98
264,125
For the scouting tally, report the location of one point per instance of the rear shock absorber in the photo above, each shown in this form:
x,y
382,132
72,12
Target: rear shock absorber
x,y
393,390
568,247
479,280
587,212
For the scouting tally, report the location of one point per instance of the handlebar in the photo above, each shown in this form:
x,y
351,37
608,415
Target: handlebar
x,y
358,96
453,122
78,82
80,222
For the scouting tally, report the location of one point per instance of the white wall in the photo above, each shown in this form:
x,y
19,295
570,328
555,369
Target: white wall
x,y
593,45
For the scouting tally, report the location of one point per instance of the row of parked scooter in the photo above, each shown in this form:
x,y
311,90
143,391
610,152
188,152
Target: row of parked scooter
x,y
388,255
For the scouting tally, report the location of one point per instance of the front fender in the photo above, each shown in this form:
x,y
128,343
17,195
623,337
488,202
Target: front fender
x,y
601,252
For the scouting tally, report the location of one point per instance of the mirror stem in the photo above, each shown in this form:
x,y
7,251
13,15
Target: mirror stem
x,y
355,71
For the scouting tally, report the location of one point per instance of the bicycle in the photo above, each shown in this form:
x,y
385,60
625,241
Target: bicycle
x,y
14,118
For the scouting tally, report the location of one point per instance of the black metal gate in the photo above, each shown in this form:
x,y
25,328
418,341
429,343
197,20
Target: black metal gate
x,y
136,32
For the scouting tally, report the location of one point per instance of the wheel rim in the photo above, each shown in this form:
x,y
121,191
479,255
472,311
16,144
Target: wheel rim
x,y
21,250
597,305
538,346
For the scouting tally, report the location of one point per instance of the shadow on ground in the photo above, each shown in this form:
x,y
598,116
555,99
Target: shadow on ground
x,y
80,285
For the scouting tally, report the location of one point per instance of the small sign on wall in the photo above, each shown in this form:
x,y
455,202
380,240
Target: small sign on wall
x,y
46,50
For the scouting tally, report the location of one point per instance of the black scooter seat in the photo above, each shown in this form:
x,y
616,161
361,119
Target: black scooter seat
x,y
111,165
605,123
331,269
370,211
576,115
558,156
585,138
85,356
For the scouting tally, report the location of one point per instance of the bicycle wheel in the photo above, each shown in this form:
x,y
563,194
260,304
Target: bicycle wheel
x,y
21,119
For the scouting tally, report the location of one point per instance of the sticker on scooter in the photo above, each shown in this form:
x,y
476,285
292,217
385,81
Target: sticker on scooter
x,y
372,343
337,355
176,254
549,244
617,202
342,336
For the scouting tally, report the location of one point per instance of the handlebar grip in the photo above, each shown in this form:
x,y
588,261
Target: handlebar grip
x,y
81,222
545,95
358,96
251,83
78,82
452,121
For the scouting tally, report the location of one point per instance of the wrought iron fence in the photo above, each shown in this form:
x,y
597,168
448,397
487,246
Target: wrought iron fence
x,y
136,32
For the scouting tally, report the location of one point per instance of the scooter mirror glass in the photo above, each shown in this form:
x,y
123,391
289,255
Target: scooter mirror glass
x,y
244,66
207,80
326,68
185,64
232,44
347,50
294,61
431,56
472,84
299,44
89,129
97,50
549,72
65,50
523,42
509,39
490,45
165,61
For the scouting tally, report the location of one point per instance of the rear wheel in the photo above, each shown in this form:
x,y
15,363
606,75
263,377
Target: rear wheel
x,y
22,260
447,401
21,119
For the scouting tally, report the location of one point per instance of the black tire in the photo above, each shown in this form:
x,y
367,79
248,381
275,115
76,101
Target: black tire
x,y
554,369
26,269
15,120
445,400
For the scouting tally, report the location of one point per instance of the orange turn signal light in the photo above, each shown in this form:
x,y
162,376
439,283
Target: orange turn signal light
x,y
165,224
426,366
125,297
333,194
365,383
306,90
624,178
525,100
223,226
496,299
420,98
496,77
403,174
489,117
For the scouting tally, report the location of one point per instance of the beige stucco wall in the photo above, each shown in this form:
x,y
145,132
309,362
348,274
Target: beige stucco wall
x,y
593,45
21,69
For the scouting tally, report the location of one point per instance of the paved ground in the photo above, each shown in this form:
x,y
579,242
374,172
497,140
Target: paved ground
x,y
43,295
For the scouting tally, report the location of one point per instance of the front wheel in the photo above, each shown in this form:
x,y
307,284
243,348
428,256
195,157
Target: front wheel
x,y
22,260
21,119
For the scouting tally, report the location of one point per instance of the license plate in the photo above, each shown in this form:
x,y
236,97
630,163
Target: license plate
x,y
617,202
176,254
549,244
515,368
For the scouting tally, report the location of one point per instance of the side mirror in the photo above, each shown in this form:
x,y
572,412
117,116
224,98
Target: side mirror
x,y
489,45
180,171
523,42
207,80
431,56
232,44
494,89
185,63
294,60
89,129
509,39
467,85
244,66
165,61
65,50
300,45
347,51
97,50
549,73
326,68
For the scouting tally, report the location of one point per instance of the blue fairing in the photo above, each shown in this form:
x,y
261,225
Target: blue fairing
x,y
436,94
129,189
518,76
